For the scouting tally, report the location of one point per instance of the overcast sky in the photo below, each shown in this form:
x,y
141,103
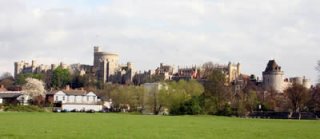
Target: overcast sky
x,y
176,32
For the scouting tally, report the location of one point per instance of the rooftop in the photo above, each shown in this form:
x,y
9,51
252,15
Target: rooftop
x,y
272,66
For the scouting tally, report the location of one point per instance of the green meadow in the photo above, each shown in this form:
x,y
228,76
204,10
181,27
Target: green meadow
x,y
127,126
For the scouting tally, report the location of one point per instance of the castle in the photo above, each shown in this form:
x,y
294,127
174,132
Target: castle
x,y
273,78
105,67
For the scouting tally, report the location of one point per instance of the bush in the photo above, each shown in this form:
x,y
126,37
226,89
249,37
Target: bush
x,y
1,107
191,107
226,111
21,108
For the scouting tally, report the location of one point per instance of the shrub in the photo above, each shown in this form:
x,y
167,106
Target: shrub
x,y
225,111
190,107
1,107
21,108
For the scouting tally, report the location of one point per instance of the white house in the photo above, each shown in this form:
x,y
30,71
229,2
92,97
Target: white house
x,y
14,97
76,100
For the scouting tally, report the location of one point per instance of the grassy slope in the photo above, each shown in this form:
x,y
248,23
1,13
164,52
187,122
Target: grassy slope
x,y
73,125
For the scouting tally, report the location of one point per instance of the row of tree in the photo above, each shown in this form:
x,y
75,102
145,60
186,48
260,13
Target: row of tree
x,y
211,96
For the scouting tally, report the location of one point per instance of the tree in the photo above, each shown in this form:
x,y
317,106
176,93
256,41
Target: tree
x,y
207,67
314,103
157,97
216,93
21,78
6,79
127,97
172,95
191,107
35,89
6,75
298,96
60,77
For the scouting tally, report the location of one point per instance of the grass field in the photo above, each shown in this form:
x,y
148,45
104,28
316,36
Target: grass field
x,y
99,125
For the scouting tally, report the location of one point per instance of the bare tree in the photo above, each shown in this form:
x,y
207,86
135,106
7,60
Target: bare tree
x,y
298,96
7,80
6,75
208,68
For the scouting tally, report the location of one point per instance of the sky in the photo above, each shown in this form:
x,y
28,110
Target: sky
x,y
179,32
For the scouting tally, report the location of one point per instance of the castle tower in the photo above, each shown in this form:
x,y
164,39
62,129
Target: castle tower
x,y
106,64
33,65
18,67
273,77
233,71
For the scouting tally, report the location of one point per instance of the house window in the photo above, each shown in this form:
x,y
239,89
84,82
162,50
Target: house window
x,y
87,98
56,98
63,98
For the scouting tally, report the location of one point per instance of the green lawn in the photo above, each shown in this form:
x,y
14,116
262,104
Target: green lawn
x,y
99,125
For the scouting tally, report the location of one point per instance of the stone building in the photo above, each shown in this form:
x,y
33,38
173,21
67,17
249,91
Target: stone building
x,y
273,77
106,64
233,72
123,75
166,71
187,73
105,67
302,81
25,67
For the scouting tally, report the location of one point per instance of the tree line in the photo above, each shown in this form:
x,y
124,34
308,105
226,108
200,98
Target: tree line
x,y
211,96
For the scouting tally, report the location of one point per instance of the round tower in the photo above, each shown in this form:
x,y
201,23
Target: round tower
x,y
106,64
273,77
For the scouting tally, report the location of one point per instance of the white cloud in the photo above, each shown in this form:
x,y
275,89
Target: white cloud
x,y
180,32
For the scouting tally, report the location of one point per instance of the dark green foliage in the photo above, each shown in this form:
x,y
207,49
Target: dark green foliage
x,y
86,80
21,108
190,107
77,81
21,78
60,77
225,111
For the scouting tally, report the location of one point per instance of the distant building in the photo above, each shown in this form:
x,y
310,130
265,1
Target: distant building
x,y
142,77
123,75
105,67
25,67
187,73
166,71
273,78
13,97
233,72
302,81
106,64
